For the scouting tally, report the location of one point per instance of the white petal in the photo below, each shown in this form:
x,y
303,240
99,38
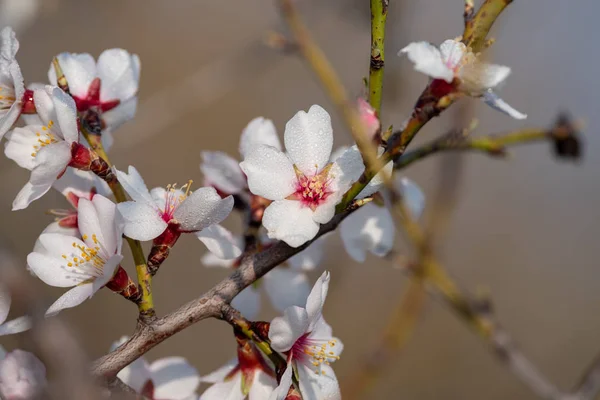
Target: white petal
x,y
258,131
326,210
120,114
136,374
220,242
481,76
285,382
72,298
134,185
262,386
223,172
10,44
286,288
428,60
307,378
228,390
119,72
210,260
28,194
413,196
310,258
286,330
270,173
452,52
221,373
66,115
5,301
370,228
19,145
80,183
79,70
337,153
108,271
174,378
202,209
142,221
308,139
493,100
347,169
16,325
12,115
322,386
50,162
376,183
316,299
44,106
289,221
99,218
248,302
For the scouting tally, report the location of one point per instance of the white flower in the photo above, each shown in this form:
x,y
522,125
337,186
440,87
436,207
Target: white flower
x,y
304,336
45,150
152,213
169,378
22,375
12,88
223,171
454,63
304,186
13,326
286,285
109,86
86,264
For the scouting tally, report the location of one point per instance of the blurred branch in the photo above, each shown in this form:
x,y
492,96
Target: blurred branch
x,y
377,62
478,27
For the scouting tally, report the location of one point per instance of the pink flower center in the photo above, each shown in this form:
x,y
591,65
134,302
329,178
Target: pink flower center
x,y
92,99
313,190
316,352
173,197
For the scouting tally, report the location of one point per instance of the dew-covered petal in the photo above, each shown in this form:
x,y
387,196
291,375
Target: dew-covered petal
x,y
316,299
428,60
66,114
142,221
79,70
346,169
223,172
259,131
119,115
50,162
28,194
308,139
174,378
286,330
289,221
119,73
220,241
99,218
10,44
134,185
19,145
270,173
72,298
202,209
452,52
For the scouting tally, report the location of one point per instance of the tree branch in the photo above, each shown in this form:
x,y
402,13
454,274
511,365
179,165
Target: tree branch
x,y
378,21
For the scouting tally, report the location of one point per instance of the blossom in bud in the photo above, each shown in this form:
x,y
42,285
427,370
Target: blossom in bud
x,y
307,341
106,89
247,377
13,326
286,285
223,171
22,375
45,150
86,264
172,211
304,186
169,378
455,67
369,118
14,99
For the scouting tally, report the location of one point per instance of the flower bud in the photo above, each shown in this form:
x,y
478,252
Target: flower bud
x,y
369,118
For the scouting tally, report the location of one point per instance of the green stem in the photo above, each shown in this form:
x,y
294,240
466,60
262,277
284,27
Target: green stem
x,y
478,27
378,20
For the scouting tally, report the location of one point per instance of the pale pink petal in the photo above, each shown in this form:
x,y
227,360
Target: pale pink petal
x,y
119,73
72,298
270,173
259,131
223,172
228,390
248,302
79,70
142,221
493,100
119,115
289,221
16,325
452,52
220,242
262,386
428,60
370,228
202,209
285,382
174,378
286,330
286,288
134,185
28,194
316,299
308,139
221,373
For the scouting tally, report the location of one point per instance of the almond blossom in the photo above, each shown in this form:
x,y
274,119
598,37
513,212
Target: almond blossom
x,y
455,65
46,150
13,96
86,264
13,326
169,378
164,214
22,375
106,89
223,171
307,341
303,185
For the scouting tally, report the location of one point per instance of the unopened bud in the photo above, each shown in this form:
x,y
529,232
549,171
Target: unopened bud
x,y
122,284
369,118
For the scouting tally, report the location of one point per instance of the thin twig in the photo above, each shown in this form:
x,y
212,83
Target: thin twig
x,y
378,19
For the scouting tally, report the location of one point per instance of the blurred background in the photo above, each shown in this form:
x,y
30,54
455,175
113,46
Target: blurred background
x,y
524,229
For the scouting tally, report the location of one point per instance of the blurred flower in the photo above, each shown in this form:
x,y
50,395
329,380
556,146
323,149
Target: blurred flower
x,y
44,150
304,186
169,378
86,264
457,65
108,87
18,13
223,171
304,336
13,326
174,211
369,118
22,375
